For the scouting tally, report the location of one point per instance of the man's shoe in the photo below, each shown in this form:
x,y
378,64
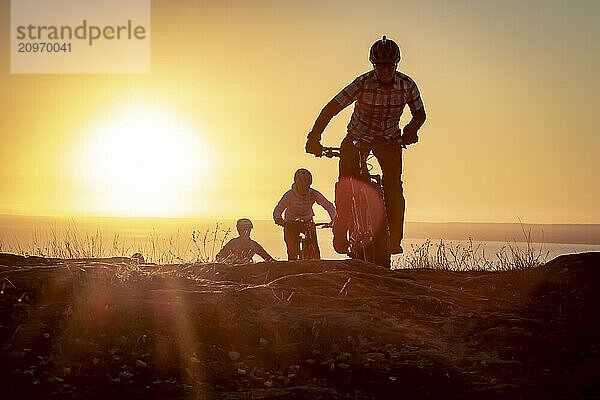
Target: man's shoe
x,y
340,243
396,248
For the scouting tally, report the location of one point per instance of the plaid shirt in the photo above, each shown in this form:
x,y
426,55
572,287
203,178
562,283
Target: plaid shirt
x,y
377,111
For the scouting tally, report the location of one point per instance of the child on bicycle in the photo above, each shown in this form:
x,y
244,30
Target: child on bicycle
x,y
241,249
298,206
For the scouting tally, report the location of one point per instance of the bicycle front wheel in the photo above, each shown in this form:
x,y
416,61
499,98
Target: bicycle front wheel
x,y
310,246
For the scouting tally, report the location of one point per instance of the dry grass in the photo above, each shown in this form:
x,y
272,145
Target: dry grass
x,y
473,257
69,243
202,246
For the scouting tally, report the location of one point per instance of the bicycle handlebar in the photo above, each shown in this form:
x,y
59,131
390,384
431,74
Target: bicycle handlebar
x,y
300,224
330,152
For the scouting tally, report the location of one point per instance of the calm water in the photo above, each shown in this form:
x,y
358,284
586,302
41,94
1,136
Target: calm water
x,y
167,239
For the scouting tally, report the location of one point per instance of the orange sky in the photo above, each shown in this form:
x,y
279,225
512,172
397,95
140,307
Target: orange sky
x,y
509,88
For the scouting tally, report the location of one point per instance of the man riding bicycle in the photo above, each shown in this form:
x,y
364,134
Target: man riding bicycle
x,y
379,96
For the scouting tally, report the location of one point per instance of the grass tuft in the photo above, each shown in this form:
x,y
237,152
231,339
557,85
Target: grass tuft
x,y
473,257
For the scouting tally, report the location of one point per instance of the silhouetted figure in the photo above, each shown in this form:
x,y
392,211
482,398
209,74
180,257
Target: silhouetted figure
x,y
379,97
241,249
298,206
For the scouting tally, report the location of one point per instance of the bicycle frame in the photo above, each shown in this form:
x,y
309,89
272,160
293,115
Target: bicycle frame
x,y
306,232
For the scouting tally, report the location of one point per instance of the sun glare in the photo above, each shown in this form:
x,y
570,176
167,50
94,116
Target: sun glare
x,y
144,162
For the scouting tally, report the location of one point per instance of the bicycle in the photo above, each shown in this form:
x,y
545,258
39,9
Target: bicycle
x,y
361,228
309,249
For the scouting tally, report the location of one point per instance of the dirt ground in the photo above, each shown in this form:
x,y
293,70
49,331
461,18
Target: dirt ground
x,y
108,328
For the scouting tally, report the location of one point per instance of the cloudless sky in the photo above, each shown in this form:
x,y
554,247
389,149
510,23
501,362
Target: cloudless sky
x,y
510,89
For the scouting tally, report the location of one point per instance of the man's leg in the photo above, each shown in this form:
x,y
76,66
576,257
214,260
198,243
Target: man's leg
x,y
291,237
390,158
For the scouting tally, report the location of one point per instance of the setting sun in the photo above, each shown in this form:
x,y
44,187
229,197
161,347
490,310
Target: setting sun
x,y
143,161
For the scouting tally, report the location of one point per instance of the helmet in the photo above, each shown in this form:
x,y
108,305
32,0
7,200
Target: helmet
x,y
384,51
303,175
243,224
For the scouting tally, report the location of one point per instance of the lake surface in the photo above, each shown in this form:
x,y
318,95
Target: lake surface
x,y
173,240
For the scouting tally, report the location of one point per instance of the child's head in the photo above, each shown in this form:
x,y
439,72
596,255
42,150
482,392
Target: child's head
x,y
244,226
303,180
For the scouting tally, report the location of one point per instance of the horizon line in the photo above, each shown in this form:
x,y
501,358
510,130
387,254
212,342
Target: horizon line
x,y
268,219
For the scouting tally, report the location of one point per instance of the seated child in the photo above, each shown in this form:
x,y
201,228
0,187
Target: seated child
x,y
298,206
241,249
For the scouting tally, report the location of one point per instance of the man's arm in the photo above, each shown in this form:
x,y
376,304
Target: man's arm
x,y
409,135
417,120
342,100
330,110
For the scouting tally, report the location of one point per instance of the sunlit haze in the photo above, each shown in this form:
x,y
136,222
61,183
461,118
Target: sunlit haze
x,y
218,127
